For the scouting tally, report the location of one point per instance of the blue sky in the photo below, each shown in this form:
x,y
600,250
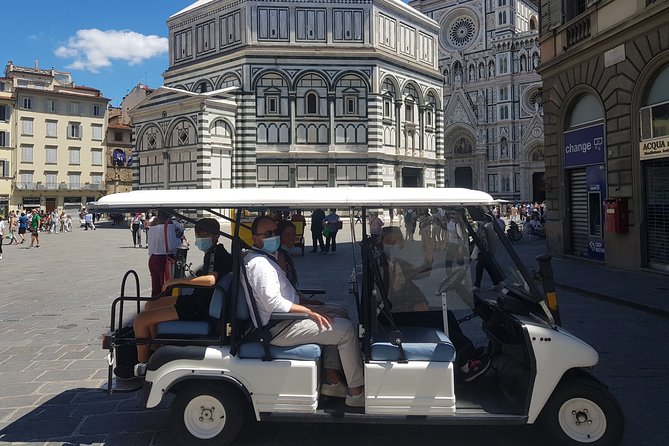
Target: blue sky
x,y
109,45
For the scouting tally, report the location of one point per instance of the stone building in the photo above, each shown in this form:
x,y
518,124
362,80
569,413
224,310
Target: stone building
x,y
488,52
6,149
119,153
325,93
605,67
58,137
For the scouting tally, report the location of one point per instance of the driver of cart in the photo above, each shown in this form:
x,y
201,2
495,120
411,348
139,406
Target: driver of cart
x,y
398,273
405,296
274,293
191,307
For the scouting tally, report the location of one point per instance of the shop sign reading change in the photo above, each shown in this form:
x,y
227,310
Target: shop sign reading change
x,y
654,148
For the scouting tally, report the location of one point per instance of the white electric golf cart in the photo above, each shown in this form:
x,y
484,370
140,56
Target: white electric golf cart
x,y
226,368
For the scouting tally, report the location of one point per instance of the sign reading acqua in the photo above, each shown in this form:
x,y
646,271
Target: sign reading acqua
x,y
584,146
654,148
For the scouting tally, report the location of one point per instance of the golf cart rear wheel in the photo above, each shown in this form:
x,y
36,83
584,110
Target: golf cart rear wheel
x,y
207,414
583,412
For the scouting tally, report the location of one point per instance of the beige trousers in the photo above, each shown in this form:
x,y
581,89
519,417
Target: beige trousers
x,y
341,349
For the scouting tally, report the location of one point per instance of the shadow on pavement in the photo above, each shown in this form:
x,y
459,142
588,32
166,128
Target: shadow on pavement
x,y
87,416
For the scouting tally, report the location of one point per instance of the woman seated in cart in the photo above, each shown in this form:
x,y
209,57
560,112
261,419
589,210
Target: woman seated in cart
x,y
191,307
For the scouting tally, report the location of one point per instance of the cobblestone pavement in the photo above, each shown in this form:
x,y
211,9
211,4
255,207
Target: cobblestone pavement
x,y
55,304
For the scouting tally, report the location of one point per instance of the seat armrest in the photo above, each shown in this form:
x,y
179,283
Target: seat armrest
x,y
288,316
311,292
168,290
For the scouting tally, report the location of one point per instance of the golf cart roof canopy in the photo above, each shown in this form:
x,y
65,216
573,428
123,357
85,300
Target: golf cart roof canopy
x,y
320,197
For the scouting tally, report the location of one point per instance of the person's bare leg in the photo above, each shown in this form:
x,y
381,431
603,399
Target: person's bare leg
x,y
168,301
146,322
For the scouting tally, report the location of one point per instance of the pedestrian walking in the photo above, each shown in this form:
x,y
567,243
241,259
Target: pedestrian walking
x,y
3,228
88,221
332,224
35,227
13,226
136,227
23,227
317,217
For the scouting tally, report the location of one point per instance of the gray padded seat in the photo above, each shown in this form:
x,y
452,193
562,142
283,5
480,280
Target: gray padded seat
x,y
198,329
248,350
419,344
306,352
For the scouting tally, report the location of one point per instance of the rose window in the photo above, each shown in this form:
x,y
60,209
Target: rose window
x,y
461,32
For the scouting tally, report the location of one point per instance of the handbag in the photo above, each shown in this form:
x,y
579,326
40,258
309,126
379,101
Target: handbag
x,y
340,224
326,231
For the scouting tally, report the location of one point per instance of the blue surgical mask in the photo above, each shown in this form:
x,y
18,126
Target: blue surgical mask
x,y
271,244
204,244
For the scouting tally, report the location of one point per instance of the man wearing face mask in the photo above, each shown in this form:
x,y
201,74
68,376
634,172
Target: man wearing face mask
x,y
274,293
192,307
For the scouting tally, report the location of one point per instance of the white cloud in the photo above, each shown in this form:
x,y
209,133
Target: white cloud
x,y
93,49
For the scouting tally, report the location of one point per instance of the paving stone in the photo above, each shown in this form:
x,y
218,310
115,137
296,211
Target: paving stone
x,y
17,389
32,428
135,439
68,375
94,408
19,401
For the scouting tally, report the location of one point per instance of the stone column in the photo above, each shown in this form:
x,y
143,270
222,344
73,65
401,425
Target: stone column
x,y
292,105
331,116
398,125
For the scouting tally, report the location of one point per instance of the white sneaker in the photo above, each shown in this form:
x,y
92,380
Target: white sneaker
x,y
355,400
338,390
140,369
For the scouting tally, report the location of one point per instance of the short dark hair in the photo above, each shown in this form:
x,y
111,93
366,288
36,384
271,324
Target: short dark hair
x,y
283,224
256,222
208,225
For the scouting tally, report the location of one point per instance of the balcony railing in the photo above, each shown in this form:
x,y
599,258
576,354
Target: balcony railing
x,y
59,186
578,31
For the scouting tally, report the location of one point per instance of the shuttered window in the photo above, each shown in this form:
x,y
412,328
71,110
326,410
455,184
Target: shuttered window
x,y
657,212
578,211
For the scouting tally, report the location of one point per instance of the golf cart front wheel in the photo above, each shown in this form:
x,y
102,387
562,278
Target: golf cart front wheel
x,y
207,414
583,412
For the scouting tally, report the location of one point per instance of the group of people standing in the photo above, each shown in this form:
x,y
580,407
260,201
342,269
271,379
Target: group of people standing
x,y
325,226
16,225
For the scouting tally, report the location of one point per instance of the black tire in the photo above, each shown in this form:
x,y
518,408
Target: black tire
x,y
207,413
582,411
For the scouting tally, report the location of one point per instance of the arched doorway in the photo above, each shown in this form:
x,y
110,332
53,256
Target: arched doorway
x,y
655,170
584,158
462,177
538,187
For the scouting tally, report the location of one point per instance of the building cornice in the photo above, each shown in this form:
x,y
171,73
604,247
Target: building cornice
x,y
623,32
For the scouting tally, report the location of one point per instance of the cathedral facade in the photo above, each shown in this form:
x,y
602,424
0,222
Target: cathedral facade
x,y
493,128
324,93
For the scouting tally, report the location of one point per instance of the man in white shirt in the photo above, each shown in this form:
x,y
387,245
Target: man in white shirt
x,y
88,220
274,293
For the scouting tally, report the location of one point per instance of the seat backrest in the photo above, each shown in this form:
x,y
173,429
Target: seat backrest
x,y
221,293
299,230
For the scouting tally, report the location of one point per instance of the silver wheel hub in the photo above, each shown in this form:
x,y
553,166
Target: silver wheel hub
x,y
204,417
582,420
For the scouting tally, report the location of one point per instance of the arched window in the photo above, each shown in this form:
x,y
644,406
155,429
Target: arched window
x,y
389,95
533,23
311,103
587,109
655,114
410,99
